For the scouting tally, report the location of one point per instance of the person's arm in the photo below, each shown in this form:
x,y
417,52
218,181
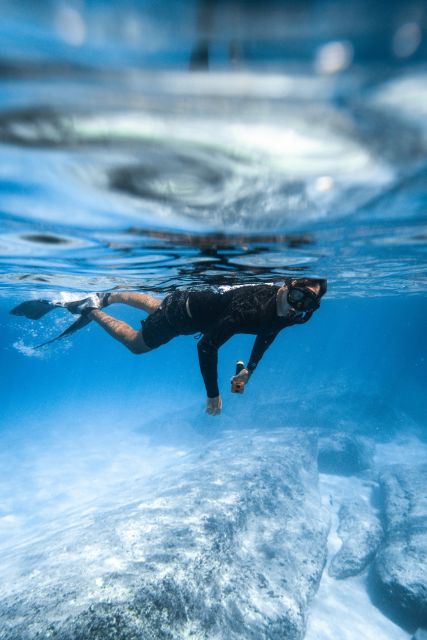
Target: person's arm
x,y
264,340
261,344
207,349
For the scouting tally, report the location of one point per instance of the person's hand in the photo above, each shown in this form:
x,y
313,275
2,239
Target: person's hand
x,y
242,376
214,406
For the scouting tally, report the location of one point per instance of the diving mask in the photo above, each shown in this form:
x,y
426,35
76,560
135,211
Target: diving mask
x,y
302,299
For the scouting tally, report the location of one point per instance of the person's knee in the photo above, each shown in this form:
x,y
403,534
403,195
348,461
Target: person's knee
x,y
136,349
138,346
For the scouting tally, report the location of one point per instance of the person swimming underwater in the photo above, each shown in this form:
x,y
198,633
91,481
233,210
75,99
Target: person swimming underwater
x,y
217,313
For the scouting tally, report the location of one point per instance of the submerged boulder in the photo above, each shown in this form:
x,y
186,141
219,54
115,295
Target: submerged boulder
x,y
401,566
361,532
229,544
343,453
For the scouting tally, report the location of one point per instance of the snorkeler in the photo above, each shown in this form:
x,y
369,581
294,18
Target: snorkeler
x,y
218,314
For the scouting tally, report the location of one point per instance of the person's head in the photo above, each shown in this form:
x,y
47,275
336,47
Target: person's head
x,y
304,294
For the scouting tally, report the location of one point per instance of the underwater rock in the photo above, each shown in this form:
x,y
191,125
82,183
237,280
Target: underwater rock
x,y
344,454
360,532
401,564
228,544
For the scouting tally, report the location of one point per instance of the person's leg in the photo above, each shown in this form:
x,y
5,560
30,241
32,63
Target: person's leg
x,y
139,300
121,331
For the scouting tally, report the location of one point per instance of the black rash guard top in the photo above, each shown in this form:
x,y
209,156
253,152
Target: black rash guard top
x,y
220,314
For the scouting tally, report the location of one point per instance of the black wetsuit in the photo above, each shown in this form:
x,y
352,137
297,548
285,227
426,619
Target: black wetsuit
x,y
219,314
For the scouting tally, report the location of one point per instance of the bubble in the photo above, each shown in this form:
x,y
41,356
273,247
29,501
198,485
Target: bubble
x,y
70,26
406,40
334,57
324,183
28,350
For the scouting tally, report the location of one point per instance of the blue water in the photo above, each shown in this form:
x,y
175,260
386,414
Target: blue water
x,y
122,170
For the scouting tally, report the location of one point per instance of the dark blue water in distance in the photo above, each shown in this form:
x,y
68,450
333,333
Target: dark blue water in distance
x,y
148,148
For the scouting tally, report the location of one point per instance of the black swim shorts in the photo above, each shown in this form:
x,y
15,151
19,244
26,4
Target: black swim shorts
x,y
171,319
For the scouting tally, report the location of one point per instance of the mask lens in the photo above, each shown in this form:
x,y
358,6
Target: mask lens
x,y
302,300
297,294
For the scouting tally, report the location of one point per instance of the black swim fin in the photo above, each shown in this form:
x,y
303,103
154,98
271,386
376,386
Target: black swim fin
x,y
78,324
33,309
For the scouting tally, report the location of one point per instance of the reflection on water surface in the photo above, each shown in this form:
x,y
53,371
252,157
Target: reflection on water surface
x,y
167,184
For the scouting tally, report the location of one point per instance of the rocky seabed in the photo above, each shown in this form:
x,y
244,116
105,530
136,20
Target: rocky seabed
x,y
232,542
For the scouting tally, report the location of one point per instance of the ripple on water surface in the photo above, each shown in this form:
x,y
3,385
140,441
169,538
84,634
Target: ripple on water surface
x,y
181,185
